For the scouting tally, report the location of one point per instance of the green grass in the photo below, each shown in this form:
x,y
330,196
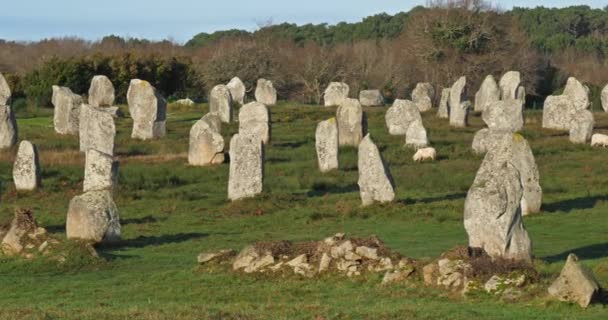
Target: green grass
x,y
170,212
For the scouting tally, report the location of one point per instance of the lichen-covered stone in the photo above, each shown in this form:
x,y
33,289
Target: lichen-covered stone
x,y
8,127
506,115
578,94
96,130
148,110
101,92
93,217
558,112
206,146
326,144
246,167
237,90
400,115
335,94
350,122
416,136
5,91
375,182
509,83
444,110
459,109
266,93
67,110
581,126
371,98
423,96
576,283
220,103
100,171
487,94
26,169
254,119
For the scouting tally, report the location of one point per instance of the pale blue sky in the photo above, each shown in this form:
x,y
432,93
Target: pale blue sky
x,y
181,19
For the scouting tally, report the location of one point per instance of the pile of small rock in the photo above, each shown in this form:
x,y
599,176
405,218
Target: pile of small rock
x,y
23,237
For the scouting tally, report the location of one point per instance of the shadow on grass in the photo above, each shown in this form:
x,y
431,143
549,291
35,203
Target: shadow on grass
x,y
594,251
573,204
321,189
144,241
142,220
447,197
290,145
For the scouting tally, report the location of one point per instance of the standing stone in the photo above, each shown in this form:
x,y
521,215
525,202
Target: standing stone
x,y
492,213
266,93
8,127
335,94
504,115
100,171
487,94
578,93
444,111
415,136
254,119
93,217
96,130
148,110
5,91
246,167
326,143
423,96
581,126
399,116
558,112
521,94
371,98
486,139
237,90
26,169
508,85
220,103
375,181
459,109
350,122
206,143
67,110
101,92
604,98
576,283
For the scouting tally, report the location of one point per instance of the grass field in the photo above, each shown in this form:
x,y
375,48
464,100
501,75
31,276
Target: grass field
x,y
170,212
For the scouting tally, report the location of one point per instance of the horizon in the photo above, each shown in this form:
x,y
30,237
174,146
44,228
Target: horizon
x,y
21,23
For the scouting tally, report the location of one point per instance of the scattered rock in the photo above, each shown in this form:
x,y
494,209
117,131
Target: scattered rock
x,y
26,169
375,182
17,239
215,256
335,94
576,283
500,284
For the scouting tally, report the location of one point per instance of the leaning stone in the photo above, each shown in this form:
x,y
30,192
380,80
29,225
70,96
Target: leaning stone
x,y
350,122
220,103
5,91
265,92
509,83
576,283
335,94
604,98
581,126
492,213
443,112
415,136
423,96
326,144
26,169
96,130
505,115
371,98
459,109
148,110
375,182
8,127
578,94
558,112
93,217
100,171
487,94
15,240
246,167
206,146
254,119
237,90
101,92
66,111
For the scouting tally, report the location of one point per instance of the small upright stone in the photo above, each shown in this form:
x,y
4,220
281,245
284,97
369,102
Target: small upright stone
x,y
266,93
100,171
350,122
220,103
423,96
487,94
5,91
576,283
254,119
206,145
578,94
326,143
8,127
604,98
371,98
459,108
148,110
506,115
246,167
26,169
237,90
558,112
375,182
581,126
335,94
101,92
415,136
93,217
67,110
509,83
96,130
399,116
444,111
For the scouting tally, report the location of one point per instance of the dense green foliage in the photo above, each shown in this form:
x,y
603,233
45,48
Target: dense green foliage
x,y
170,212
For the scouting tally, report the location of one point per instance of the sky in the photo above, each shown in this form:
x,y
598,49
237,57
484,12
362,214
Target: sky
x,y
179,20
